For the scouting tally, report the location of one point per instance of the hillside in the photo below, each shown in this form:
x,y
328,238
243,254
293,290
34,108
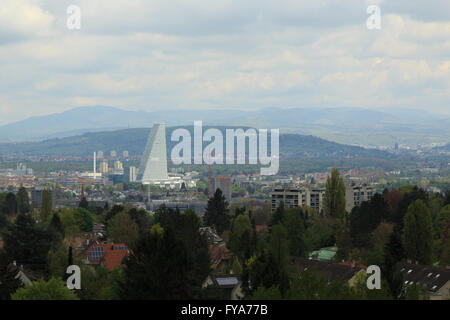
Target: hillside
x,y
354,126
134,141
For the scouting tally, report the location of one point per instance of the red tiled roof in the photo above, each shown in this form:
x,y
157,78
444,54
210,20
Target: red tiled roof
x,y
218,254
113,254
260,228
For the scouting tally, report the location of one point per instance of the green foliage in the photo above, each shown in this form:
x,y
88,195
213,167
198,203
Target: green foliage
x,y
364,220
394,253
9,282
279,214
217,213
320,233
123,229
23,201
56,225
309,285
54,289
295,227
264,271
278,246
334,200
416,292
84,219
57,261
186,228
84,203
26,242
145,278
236,266
47,205
9,204
272,293
241,237
418,233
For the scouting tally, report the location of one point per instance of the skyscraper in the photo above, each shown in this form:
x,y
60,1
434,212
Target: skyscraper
x,y
133,174
153,165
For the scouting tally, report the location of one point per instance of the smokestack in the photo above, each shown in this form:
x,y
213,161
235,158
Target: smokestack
x,y
95,165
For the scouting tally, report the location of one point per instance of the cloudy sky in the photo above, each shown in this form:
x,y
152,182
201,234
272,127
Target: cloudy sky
x,y
152,55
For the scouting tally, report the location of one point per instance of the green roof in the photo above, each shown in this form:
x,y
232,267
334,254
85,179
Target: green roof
x,y
325,254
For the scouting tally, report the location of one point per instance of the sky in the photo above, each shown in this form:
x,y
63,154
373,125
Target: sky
x,y
202,54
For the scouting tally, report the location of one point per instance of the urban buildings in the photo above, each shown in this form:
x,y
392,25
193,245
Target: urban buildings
x,y
133,174
313,197
36,197
298,197
104,167
118,168
153,167
356,194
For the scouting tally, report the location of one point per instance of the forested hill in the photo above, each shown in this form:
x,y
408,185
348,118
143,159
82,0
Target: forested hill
x,y
134,141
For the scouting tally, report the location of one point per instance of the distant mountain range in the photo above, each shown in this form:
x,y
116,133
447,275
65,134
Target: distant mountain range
x,y
345,125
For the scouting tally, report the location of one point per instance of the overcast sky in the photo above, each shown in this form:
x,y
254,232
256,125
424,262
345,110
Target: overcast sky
x,y
243,54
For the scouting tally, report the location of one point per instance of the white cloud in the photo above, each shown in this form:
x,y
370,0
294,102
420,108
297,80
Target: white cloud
x,y
141,54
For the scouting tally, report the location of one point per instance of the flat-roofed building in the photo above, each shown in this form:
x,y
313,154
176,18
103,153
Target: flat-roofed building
x,y
298,197
357,194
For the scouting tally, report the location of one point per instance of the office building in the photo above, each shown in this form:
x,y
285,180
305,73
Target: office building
x,y
133,174
153,166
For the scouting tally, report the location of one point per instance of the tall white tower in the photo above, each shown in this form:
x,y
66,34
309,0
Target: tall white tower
x,y
95,165
153,165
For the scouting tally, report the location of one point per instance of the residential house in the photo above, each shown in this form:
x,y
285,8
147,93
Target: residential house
x,y
435,280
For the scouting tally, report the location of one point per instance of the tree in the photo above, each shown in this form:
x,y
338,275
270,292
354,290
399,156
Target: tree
x,y
295,227
54,289
160,268
278,215
272,293
57,261
264,271
334,200
26,242
84,219
9,282
418,233
123,229
10,204
23,201
47,205
365,218
278,246
394,253
216,213
56,225
241,234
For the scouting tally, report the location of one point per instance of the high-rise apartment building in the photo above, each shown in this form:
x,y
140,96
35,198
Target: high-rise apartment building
x,y
133,174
